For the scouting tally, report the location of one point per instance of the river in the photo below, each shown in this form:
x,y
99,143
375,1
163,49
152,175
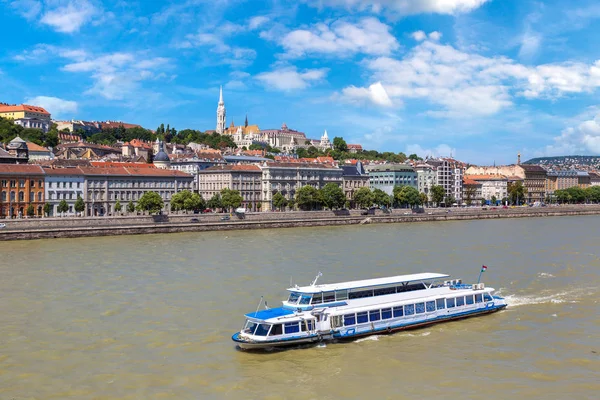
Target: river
x,y
151,316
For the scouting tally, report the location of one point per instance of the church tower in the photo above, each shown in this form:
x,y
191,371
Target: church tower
x,y
221,114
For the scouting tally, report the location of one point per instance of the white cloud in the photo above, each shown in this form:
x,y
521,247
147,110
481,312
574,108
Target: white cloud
x,y
584,138
288,78
419,36
341,38
405,7
530,44
29,9
435,35
70,17
466,84
375,93
55,106
257,22
442,150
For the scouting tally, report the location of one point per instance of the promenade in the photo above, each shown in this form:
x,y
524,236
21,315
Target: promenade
x,y
24,229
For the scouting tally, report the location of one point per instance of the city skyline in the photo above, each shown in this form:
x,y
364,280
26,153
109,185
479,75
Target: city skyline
x,y
432,78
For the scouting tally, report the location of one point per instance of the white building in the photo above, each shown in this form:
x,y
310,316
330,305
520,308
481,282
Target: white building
x,y
63,184
325,143
426,178
491,186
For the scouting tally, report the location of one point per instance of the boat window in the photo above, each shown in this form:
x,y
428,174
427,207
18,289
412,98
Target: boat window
x,y
386,313
328,297
450,303
487,297
250,327
276,330
362,317
409,309
317,298
460,301
341,294
374,315
306,325
349,319
262,329
430,305
398,311
294,296
291,327
478,298
420,308
469,299
305,299
440,304
411,287
360,294
384,291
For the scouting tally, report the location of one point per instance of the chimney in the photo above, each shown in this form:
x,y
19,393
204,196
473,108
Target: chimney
x,y
518,158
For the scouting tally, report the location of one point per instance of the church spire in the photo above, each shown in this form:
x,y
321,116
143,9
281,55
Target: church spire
x,y
246,123
221,96
221,113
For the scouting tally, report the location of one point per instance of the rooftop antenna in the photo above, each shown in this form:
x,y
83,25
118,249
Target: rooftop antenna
x,y
316,278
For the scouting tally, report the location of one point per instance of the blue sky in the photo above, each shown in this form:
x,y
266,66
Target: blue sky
x,y
477,79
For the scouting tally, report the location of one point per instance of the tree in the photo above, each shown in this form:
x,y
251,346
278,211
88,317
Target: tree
x,y
215,202
424,198
483,202
279,201
363,197
469,194
47,209
118,206
178,200
592,193
79,205
332,196
307,198
194,203
381,198
494,200
63,207
130,207
407,196
516,192
414,157
437,194
30,210
449,200
231,198
291,203
151,202
339,144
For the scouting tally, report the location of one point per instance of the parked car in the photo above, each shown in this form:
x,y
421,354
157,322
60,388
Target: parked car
x,y
225,218
370,211
208,210
505,207
2,226
194,220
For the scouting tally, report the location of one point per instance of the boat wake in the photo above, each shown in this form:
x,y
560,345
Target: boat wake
x,y
545,275
368,338
573,296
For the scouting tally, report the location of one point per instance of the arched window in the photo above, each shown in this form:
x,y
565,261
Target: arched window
x,y
21,196
40,194
3,198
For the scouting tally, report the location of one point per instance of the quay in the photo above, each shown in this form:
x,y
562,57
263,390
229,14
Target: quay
x,y
45,228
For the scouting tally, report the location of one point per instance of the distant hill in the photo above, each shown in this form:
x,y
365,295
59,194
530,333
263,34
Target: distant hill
x,y
567,162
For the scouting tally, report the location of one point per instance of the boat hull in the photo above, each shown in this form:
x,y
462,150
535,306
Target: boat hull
x,y
262,345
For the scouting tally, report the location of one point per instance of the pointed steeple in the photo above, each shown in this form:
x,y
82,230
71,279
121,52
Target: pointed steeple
x,y
221,95
221,113
246,123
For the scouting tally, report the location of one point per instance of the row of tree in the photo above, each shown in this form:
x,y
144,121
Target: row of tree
x,y
9,130
577,195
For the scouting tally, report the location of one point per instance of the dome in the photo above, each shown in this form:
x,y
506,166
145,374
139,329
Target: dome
x,y
17,143
161,156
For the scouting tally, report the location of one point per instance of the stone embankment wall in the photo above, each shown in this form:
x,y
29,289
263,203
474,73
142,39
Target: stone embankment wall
x,y
107,226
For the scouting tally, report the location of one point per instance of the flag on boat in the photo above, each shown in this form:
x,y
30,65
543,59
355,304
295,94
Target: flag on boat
x,y
483,268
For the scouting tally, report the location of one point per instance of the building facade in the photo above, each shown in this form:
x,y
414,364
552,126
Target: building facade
x,y
354,177
27,116
426,178
63,184
245,178
491,186
386,176
20,187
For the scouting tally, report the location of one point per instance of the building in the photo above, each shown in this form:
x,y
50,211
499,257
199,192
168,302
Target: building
x,y
244,135
137,147
491,186
426,178
195,162
245,178
79,150
221,113
355,148
285,139
104,186
449,175
233,159
63,184
560,180
594,178
6,157
19,150
37,152
288,178
20,187
325,144
78,126
386,176
472,193
161,159
27,116
354,177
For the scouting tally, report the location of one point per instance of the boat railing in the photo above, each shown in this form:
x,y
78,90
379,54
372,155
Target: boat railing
x,y
463,286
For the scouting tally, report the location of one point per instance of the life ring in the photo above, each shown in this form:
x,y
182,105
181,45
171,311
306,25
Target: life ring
x,y
388,329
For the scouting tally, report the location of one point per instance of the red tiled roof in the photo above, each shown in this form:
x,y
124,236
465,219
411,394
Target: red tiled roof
x,y
23,107
25,169
113,164
233,167
471,182
139,143
63,171
355,146
35,147
486,177
298,165
157,172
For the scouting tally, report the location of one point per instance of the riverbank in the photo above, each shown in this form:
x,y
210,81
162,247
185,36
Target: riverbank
x,y
28,229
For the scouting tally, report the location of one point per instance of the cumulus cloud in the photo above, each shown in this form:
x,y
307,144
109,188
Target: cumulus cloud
x,y
442,150
375,93
419,36
289,78
342,38
55,106
405,7
435,35
70,17
583,138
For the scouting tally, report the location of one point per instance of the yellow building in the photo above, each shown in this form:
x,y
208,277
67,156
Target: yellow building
x,y
27,116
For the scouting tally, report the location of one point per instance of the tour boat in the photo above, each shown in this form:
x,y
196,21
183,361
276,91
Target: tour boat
x,y
349,310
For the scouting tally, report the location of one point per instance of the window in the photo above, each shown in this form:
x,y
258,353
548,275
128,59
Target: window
x,y
450,303
420,308
409,309
349,319
478,298
374,315
291,327
487,297
469,299
398,311
341,295
460,301
307,325
251,327
386,313
361,294
294,296
328,297
31,197
262,330
276,330
317,298
430,306
3,197
32,183
440,304
21,196
4,183
40,194
305,299
22,183
362,317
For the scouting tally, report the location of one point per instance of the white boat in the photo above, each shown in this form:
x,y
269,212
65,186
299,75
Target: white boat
x,y
348,310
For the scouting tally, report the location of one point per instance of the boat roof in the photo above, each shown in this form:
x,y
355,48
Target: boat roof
x,y
369,282
270,313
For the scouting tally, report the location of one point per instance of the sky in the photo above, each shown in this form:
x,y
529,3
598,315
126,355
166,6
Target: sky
x,y
479,80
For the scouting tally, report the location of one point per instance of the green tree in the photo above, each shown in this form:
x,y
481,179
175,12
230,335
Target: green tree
x,y
363,197
47,209
424,198
178,200
231,198
151,202
437,194
494,200
79,205
516,192
407,196
339,144
483,202
307,198
332,196
130,207
381,198
449,200
592,193
63,207
118,207
469,194
215,202
194,203
279,201
291,203
30,210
